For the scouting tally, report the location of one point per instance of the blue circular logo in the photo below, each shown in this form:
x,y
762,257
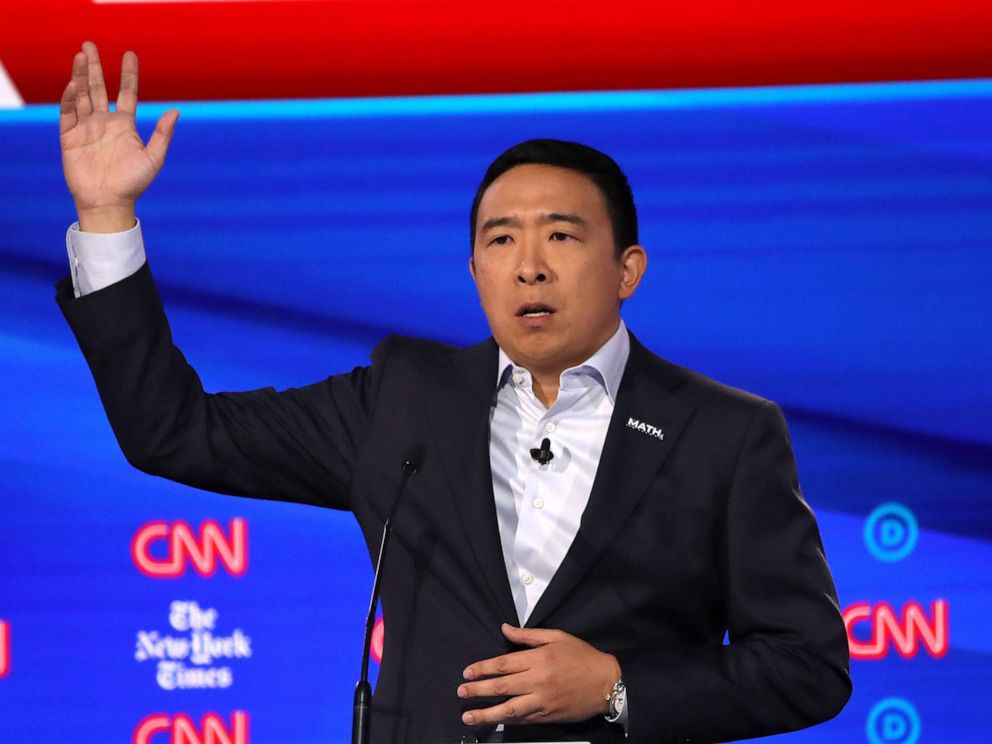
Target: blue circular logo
x,y
893,721
891,532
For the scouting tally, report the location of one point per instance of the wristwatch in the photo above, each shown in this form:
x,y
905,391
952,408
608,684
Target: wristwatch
x,y
615,701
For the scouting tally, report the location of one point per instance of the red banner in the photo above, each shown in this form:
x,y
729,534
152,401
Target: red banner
x,y
319,48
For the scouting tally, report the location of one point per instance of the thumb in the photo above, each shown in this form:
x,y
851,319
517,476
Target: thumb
x,y
159,142
528,636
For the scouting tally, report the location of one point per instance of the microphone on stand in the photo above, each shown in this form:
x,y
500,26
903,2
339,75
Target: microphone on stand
x,y
362,710
542,454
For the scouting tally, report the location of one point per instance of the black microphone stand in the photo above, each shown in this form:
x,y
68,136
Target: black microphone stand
x,y
362,710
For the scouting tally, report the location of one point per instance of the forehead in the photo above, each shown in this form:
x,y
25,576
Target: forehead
x,y
542,188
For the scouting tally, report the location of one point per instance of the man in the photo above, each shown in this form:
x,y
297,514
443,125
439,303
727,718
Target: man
x,y
588,520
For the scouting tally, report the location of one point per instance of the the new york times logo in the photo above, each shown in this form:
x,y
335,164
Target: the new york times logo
x,y
197,658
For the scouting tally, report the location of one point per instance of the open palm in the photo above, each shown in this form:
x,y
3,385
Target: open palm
x,y
106,165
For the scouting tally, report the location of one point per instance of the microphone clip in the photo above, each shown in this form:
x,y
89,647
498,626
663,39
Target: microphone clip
x,y
543,454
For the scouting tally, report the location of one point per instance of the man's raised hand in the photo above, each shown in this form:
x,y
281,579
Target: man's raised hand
x,y
106,165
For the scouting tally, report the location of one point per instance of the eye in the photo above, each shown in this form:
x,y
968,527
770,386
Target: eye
x,y
560,236
500,240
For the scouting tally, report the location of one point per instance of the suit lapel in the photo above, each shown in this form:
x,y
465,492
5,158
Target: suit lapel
x,y
459,413
630,460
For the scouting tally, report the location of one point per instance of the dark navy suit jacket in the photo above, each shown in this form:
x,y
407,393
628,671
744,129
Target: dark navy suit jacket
x,y
686,537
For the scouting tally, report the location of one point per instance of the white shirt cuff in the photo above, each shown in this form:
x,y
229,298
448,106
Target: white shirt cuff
x,y
97,260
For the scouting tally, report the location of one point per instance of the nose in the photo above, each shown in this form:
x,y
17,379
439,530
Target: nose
x,y
533,267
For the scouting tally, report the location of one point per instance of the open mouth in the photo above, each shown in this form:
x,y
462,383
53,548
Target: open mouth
x,y
534,310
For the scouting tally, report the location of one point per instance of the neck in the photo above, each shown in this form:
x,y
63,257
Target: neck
x,y
546,381
545,388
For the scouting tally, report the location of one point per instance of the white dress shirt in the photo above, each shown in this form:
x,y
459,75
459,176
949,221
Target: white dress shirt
x,y
539,507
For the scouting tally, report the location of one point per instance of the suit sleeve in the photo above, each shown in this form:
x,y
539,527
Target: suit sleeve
x,y
786,665
295,445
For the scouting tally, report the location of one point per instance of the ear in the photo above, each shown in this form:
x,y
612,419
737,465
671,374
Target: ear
x,y
634,262
471,266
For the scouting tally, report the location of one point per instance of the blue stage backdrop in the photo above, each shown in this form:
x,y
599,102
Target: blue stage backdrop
x,y
826,247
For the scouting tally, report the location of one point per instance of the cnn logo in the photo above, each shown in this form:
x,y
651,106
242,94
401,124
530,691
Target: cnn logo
x,y
180,729
908,632
162,550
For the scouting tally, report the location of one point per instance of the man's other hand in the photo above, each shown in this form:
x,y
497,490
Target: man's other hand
x,y
106,165
560,678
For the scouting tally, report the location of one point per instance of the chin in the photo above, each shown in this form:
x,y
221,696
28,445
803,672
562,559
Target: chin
x,y
541,357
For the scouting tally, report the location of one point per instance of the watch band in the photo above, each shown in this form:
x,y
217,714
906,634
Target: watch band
x,y
615,701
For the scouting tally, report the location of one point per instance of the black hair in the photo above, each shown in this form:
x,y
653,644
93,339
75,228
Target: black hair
x,y
599,167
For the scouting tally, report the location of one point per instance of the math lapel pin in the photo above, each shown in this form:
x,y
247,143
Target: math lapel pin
x,y
651,431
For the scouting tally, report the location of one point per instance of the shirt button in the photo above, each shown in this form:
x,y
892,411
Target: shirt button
x,y
527,579
538,503
518,378
550,427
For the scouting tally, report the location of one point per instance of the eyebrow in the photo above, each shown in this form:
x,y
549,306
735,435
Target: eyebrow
x,y
573,219
547,219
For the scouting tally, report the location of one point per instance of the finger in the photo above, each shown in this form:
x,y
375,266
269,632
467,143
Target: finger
x,y
521,709
98,90
81,79
505,686
127,97
67,108
530,636
518,661
158,145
